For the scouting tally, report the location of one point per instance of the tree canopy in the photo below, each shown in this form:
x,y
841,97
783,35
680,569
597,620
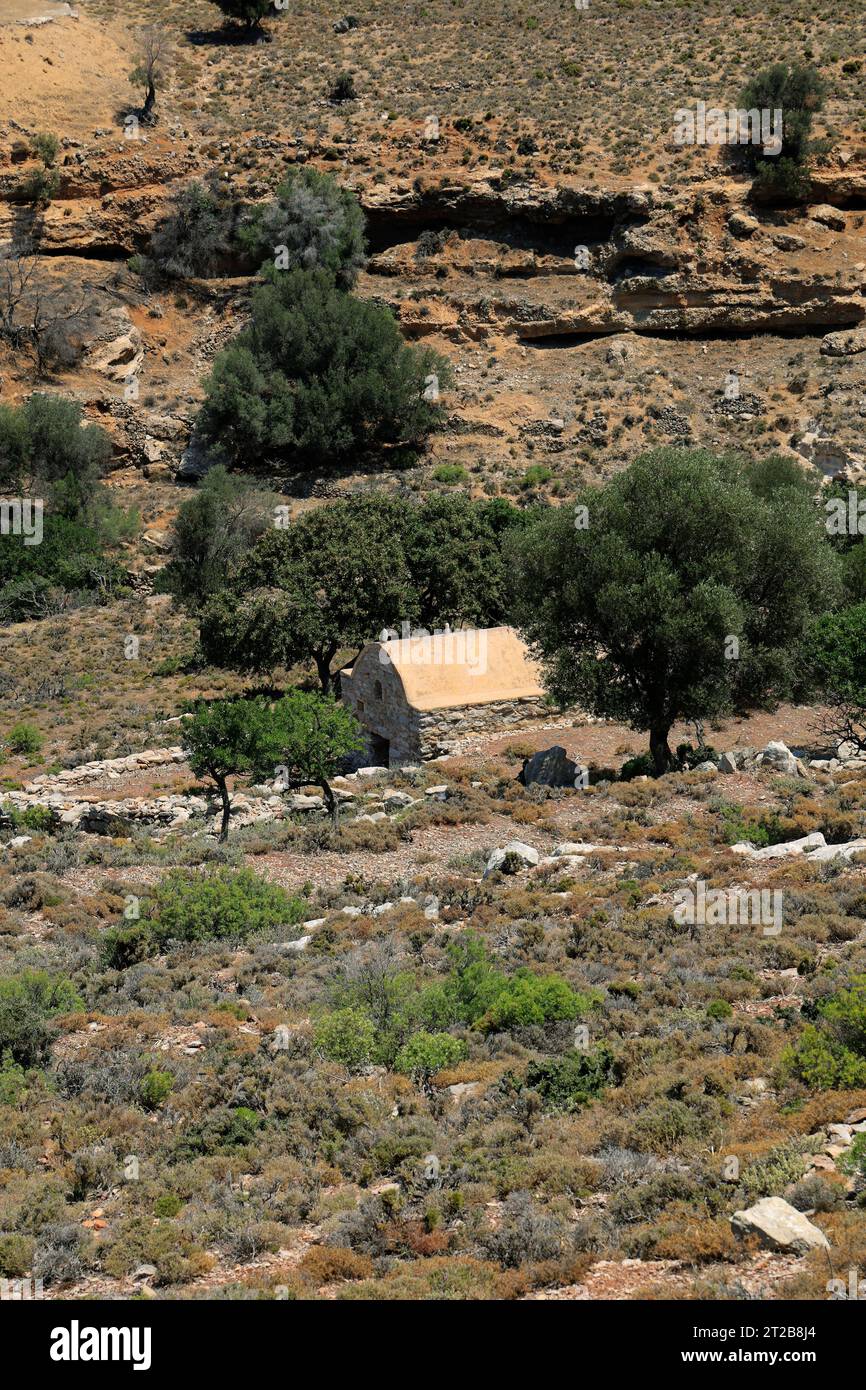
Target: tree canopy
x,y
317,378
337,576
686,595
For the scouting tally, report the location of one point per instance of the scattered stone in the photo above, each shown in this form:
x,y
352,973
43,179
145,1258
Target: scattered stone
x,y
741,224
300,945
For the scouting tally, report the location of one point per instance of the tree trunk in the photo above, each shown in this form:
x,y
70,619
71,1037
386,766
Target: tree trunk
x,y
660,749
330,801
323,667
227,809
149,102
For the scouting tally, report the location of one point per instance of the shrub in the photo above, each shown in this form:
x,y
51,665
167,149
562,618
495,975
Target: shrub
x,y
223,905
196,237
28,1002
525,1234
24,739
16,1255
569,1082
831,1054
426,1053
346,1036
330,1264
155,1088
529,999
344,88
125,946
167,1206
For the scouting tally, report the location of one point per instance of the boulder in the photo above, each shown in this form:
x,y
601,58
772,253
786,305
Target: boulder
x,y
815,841
295,946
779,757
779,1226
728,762
741,224
512,858
844,344
396,801
552,767
828,217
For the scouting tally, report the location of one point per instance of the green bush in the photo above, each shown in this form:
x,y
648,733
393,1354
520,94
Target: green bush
x,y
127,945
566,1083
346,1036
426,1053
167,1205
528,999
224,905
28,1002
155,1088
316,224
24,739
831,1054
16,1255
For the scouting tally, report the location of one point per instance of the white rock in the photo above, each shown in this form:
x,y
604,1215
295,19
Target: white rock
x,y
300,945
814,841
828,852
515,849
779,757
779,1226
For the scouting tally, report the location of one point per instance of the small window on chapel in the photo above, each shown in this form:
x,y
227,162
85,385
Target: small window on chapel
x,y
377,690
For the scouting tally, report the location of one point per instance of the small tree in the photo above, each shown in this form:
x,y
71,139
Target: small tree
x,y
212,533
313,224
319,376
250,13
308,740
798,92
155,58
226,738
838,657
333,579
685,596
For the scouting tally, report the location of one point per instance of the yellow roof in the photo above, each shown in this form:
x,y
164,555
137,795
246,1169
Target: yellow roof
x,y
469,666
